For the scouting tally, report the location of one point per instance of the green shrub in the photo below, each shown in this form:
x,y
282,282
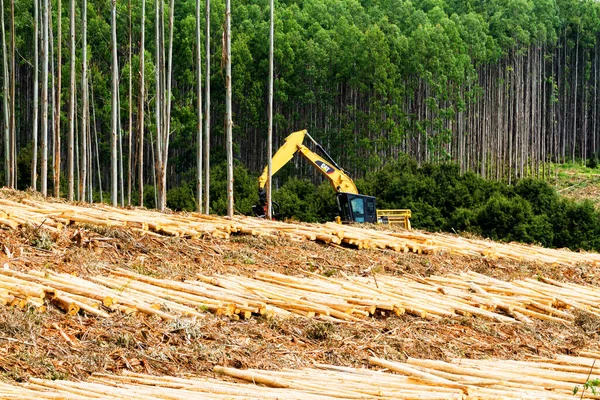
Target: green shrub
x,y
181,198
503,218
245,189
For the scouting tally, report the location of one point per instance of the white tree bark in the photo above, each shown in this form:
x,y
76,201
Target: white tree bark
x,y
36,84
207,113
13,71
199,111
44,139
270,116
57,102
72,100
7,155
159,93
130,150
85,104
228,117
141,105
114,104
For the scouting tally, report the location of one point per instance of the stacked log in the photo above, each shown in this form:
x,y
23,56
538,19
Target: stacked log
x,y
55,216
269,294
464,379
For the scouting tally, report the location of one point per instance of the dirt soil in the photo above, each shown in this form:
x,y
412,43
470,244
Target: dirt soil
x,y
31,343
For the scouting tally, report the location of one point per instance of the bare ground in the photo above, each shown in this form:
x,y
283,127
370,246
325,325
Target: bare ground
x,y
31,343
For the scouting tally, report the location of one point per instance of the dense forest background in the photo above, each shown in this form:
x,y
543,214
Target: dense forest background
x,y
502,89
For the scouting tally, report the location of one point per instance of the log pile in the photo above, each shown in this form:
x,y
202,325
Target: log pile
x,y
464,379
350,299
55,216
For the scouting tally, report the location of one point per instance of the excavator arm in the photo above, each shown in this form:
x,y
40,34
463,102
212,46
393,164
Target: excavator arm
x,y
340,181
353,207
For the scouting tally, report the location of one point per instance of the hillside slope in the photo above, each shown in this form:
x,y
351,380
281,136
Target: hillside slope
x,y
263,295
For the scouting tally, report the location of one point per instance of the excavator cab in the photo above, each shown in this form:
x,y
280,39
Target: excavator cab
x,y
357,208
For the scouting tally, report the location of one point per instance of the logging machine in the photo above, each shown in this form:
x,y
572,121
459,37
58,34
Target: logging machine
x,y
352,206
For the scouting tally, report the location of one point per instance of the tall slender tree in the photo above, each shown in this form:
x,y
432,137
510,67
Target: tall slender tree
x,y
72,100
45,60
7,153
85,103
159,88
114,105
13,78
129,148
207,111
163,133
228,117
57,100
52,95
36,84
270,113
141,105
199,111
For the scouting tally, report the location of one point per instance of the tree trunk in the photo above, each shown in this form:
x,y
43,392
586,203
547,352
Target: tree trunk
x,y
199,110
44,175
115,90
129,154
85,104
96,143
270,115
57,102
13,74
141,105
36,84
207,113
159,93
228,117
120,150
72,100
7,155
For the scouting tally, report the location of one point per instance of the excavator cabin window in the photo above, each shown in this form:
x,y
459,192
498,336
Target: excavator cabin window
x,y
357,208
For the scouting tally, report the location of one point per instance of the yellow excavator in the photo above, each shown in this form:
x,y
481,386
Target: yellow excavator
x,y
352,206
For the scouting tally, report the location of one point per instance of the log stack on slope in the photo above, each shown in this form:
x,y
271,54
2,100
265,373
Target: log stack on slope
x,y
55,216
271,294
464,379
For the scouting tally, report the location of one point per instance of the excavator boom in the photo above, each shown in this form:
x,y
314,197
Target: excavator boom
x,y
340,181
353,207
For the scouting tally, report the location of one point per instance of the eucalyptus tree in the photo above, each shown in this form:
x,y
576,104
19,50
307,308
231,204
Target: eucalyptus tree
x,y
141,106
13,74
85,104
7,154
228,117
72,101
114,105
163,103
36,84
45,60
57,101
129,154
207,111
270,113
200,138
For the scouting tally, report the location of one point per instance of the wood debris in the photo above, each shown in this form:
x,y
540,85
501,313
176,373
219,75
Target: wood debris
x,y
350,299
55,216
464,379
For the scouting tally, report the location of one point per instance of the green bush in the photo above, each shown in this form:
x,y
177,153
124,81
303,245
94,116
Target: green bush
x,y
245,189
441,198
503,218
181,198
